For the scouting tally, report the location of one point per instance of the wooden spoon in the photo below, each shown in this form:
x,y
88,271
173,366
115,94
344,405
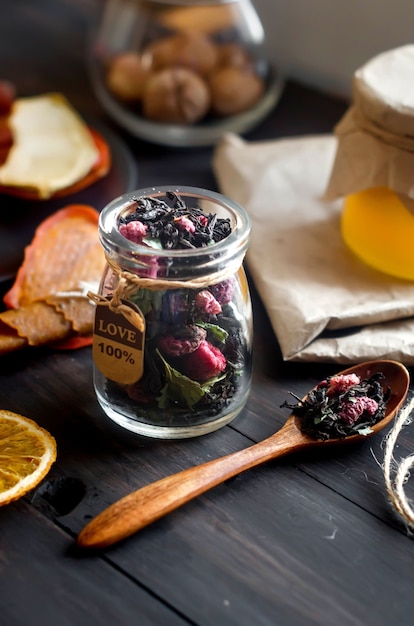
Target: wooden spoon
x,y
140,508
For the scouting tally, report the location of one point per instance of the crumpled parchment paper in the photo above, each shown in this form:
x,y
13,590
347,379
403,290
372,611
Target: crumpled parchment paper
x,y
324,304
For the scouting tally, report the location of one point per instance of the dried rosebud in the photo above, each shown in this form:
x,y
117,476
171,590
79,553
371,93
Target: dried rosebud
x,y
150,267
204,363
341,383
203,220
184,341
206,302
184,223
351,410
134,231
223,292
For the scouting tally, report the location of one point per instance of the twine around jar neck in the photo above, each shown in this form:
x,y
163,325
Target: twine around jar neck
x,y
129,283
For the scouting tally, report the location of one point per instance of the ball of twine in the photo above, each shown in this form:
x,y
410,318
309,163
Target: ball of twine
x,y
396,474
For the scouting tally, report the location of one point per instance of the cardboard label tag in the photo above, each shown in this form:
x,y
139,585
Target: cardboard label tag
x,y
118,345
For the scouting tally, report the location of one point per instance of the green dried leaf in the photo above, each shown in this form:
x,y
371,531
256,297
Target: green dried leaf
x,y
152,243
147,300
215,332
364,431
179,387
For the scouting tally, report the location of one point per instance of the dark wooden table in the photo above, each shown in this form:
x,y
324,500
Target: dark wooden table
x,y
305,540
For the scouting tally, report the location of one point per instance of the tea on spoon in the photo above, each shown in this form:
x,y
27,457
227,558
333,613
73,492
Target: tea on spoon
x,y
342,405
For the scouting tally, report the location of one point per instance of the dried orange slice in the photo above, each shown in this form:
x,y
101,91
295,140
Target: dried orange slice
x,y
27,452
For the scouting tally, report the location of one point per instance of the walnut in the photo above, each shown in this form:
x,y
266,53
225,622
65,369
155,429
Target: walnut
x,y
234,55
176,95
234,90
127,76
192,50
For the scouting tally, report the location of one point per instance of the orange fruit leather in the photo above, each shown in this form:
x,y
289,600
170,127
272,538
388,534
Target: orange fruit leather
x,y
98,171
64,253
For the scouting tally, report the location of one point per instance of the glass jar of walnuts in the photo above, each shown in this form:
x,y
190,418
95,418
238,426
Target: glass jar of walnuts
x,y
182,72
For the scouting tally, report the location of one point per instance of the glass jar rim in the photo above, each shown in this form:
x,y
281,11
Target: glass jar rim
x,y
109,226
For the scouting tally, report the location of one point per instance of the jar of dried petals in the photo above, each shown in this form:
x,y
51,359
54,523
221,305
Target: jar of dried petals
x,y
173,328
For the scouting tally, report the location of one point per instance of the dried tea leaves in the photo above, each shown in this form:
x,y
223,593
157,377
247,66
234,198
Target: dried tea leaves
x,y
158,225
342,405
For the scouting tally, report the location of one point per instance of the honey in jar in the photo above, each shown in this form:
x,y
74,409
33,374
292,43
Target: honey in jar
x,y
379,229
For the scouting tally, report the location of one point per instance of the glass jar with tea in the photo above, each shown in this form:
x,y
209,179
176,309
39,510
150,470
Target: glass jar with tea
x,y
173,329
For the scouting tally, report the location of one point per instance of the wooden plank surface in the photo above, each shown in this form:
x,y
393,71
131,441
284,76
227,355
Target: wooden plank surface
x,y
302,541
273,541
44,582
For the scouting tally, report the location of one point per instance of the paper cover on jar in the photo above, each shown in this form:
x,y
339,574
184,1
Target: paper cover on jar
x,y
376,135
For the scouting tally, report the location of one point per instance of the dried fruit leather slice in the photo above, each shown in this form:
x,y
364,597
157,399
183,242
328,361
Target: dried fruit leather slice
x,y
77,311
40,323
64,253
37,323
81,315
10,340
48,303
100,169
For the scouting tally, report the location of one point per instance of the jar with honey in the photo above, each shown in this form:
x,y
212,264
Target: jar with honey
x,y
374,164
